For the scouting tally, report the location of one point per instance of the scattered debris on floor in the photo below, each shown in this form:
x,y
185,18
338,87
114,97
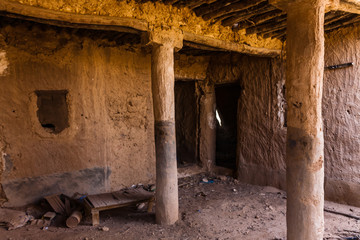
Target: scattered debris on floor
x,y
14,219
207,211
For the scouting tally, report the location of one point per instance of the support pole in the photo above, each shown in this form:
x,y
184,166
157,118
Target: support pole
x,y
163,80
207,126
305,141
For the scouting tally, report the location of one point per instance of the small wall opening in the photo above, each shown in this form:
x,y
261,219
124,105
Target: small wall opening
x,y
52,111
226,124
186,122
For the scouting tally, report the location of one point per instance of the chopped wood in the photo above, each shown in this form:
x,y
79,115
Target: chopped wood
x,y
13,219
234,7
341,213
56,203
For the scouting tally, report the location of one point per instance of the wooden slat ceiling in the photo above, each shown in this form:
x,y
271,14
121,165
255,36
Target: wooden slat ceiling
x,y
255,16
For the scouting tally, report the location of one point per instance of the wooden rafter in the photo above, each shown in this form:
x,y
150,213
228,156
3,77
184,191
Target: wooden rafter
x,y
233,7
236,18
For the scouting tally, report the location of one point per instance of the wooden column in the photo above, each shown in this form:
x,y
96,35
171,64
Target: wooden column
x,y
305,141
162,76
207,149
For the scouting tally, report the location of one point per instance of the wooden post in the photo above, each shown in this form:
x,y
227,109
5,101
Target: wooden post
x,y
305,141
207,148
163,80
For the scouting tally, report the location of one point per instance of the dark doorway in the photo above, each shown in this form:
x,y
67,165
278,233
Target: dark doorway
x,y
226,125
186,119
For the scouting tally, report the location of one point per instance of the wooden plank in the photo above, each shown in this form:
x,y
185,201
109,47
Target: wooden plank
x,y
56,203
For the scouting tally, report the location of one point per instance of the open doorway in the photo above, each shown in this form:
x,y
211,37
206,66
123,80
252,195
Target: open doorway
x,y
186,122
226,125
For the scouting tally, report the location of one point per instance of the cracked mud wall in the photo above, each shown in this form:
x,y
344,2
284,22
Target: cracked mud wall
x,y
261,117
261,135
341,113
109,141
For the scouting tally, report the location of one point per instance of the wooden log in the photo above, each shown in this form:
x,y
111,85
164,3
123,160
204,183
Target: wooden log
x,y
62,19
230,46
246,15
278,21
276,34
195,4
305,137
276,27
202,10
260,19
350,20
335,16
168,2
74,219
201,47
234,7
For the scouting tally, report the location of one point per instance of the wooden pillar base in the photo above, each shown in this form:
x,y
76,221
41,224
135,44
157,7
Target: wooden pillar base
x,y
167,203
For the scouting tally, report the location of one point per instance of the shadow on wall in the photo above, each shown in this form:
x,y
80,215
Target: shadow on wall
x,y
29,190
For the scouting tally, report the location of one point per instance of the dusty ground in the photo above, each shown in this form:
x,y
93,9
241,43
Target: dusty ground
x,y
224,209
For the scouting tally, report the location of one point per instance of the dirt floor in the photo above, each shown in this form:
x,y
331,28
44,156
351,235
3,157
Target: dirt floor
x,y
222,208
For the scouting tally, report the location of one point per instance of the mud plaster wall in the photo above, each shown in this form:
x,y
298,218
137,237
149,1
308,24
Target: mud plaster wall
x,y
341,114
109,143
261,117
261,135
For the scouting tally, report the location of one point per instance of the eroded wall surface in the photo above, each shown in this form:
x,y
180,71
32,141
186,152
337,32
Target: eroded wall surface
x,y
341,114
109,142
261,132
262,122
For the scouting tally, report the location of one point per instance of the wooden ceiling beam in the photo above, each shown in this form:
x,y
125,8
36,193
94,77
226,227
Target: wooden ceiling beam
x,y
246,12
274,24
260,19
230,46
234,7
276,34
335,16
246,15
168,2
195,4
202,10
192,3
353,18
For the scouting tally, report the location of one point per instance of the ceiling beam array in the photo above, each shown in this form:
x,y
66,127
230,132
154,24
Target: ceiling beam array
x,y
257,16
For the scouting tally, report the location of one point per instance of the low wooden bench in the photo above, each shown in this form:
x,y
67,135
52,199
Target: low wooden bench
x,y
105,201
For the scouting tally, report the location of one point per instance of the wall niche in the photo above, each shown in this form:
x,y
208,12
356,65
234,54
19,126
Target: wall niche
x,y
52,110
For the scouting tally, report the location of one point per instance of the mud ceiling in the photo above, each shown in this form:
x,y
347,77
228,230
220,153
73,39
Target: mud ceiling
x,y
256,23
